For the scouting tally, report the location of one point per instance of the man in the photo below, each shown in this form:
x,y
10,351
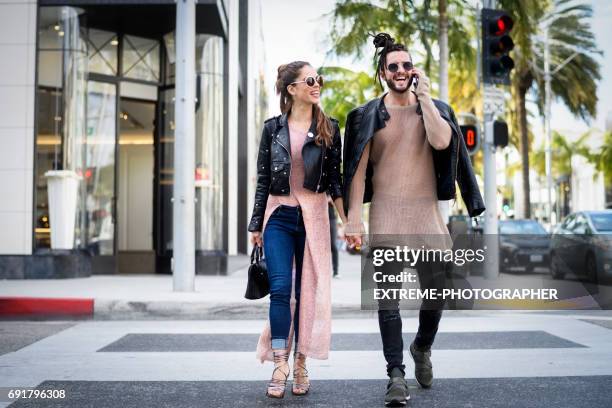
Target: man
x,y
403,152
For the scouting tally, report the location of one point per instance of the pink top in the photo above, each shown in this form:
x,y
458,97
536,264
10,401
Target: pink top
x,y
297,138
404,208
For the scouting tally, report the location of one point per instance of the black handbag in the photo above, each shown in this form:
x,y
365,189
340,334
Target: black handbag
x,y
258,284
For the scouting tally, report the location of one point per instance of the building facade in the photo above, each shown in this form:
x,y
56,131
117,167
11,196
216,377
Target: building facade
x,y
87,90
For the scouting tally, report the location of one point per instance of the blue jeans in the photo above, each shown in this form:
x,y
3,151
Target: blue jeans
x,y
284,237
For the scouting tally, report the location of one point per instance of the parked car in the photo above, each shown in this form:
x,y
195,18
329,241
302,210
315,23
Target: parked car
x,y
582,245
460,224
523,245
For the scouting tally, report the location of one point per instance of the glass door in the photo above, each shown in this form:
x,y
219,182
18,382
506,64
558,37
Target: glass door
x,y
99,178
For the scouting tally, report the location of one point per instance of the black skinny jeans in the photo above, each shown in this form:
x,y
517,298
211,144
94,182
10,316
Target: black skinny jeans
x,y
431,275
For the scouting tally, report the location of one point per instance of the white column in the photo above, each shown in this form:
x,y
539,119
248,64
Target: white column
x,y
17,80
184,150
232,136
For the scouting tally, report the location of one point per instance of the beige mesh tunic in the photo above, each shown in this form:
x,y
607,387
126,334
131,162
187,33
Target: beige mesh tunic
x,y
404,208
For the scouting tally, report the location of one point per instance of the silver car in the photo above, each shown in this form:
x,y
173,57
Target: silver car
x,y
582,245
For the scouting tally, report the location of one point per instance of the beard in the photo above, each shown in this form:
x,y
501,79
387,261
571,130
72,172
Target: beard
x,y
392,86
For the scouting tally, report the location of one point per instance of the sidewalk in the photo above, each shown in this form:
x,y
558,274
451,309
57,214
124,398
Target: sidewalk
x,y
119,297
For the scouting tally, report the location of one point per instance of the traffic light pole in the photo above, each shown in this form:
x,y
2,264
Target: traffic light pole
x,y
548,150
491,261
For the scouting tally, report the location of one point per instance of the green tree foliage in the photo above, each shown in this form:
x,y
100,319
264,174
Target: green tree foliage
x,y
345,90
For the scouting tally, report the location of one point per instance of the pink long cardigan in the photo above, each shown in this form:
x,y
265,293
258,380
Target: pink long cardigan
x,y
315,296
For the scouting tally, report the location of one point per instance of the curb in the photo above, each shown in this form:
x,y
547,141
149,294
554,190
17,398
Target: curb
x,y
11,307
121,309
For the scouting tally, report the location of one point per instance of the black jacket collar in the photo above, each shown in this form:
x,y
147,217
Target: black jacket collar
x,y
283,131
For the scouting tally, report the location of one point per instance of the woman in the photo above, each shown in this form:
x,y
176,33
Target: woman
x,y
298,162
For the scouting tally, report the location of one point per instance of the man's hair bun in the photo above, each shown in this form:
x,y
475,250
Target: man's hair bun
x,y
383,40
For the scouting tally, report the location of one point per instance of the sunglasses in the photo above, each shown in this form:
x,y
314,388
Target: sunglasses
x,y
310,81
394,67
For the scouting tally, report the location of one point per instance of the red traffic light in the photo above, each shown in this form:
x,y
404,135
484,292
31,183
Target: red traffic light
x,y
497,44
502,25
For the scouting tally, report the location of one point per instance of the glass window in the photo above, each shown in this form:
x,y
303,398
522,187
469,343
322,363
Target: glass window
x,y
102,48
100,172
209,144
569,222
602,222
48,157
60,109
166,172
140,58
170,58
521,227
579,227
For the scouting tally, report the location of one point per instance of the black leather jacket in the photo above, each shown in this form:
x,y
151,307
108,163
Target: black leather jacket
x,y
450,164
321,165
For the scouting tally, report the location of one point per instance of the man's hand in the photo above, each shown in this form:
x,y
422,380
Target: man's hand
x,y
353,240
422,89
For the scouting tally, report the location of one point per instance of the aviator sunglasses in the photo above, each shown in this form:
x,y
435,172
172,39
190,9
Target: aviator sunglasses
x,y
310,81
394,67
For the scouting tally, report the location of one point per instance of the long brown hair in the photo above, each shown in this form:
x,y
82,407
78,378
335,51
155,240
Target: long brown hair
x,y
288,73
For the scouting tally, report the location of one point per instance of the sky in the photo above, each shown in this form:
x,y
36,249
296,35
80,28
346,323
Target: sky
x,y
295,30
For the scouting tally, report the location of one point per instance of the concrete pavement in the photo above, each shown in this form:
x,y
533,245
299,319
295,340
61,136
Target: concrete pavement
x,y
151,296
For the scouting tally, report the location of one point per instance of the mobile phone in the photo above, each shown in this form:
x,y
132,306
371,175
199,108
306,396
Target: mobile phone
x,y
414,79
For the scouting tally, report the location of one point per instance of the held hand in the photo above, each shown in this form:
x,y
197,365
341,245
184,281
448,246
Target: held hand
x,y
353,240
422,89
256,238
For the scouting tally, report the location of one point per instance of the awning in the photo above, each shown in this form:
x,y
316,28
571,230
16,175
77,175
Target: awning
x,y
146,18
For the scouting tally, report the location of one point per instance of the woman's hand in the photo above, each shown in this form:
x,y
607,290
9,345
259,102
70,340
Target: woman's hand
x,y
353,240
256,238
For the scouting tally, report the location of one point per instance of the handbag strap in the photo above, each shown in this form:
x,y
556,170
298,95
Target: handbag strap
x,y
256,254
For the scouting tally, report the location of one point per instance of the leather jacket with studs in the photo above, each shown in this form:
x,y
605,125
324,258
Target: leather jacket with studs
x,y
321,165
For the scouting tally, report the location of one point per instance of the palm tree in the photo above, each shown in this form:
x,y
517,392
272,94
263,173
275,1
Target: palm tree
x,y
563,151
602,158
575,84
354,21
345,90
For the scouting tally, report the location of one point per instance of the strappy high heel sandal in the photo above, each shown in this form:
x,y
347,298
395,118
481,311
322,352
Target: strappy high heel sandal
x,y
276,387
301,385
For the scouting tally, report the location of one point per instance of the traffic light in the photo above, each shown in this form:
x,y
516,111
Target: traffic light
x,y
496,45
505,205
500,133
471,138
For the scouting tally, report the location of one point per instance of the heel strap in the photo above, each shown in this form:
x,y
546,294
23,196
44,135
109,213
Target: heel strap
x,y
280,356
275,384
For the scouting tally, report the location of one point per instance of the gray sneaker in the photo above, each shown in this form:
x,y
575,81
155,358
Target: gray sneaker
x,y
423,371
397,390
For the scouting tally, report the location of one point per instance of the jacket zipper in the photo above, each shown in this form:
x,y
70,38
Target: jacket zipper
x,y
289,180
321,170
